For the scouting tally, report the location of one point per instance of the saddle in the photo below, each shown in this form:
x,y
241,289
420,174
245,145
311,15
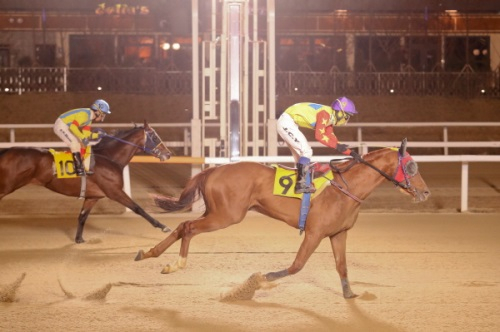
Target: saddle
x,y
284,182
63,165
285,178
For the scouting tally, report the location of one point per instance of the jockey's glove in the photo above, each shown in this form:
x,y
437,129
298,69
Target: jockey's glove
x,y
342,147
85,141
98,134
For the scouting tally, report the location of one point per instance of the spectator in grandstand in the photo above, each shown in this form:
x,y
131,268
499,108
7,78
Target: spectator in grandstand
x,y
74,128
321,119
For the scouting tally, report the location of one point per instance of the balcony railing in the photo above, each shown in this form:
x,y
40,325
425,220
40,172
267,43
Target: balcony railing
x,y
152,81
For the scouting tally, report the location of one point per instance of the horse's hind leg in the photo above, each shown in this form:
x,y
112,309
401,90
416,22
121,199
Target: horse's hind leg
x,y
186,231
160,247
88,204
338,242
122,198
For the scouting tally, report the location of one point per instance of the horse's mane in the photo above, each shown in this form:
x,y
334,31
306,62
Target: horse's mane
x,y
375,154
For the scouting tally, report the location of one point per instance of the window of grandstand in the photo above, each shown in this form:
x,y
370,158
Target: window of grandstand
x,y
311,53
135,51
467,52
4,56
91,51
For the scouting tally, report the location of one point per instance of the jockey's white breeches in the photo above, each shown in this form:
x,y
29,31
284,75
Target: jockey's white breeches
x,y
293,137
62,131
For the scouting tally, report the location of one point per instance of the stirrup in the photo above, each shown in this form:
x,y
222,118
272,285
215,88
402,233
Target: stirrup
x,y
299,189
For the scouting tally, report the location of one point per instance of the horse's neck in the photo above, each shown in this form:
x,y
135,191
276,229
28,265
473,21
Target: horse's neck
x,y
362,180
122,153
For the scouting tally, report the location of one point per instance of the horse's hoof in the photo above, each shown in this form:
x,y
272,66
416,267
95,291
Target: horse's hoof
x,y
166,229
350,296
166,270
139,256
80,240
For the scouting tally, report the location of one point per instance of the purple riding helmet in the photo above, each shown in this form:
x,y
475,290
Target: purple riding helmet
x,y
344,104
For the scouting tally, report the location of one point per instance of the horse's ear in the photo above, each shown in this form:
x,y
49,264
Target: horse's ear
x,y
402,149
146,125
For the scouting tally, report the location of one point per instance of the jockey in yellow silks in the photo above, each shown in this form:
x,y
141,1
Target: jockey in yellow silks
x,y
74,128
321,119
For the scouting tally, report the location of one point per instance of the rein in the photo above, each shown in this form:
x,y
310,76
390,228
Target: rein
x,y
143,148
385,175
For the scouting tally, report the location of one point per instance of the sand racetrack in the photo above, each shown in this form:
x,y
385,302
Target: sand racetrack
x,y
429,269
413,272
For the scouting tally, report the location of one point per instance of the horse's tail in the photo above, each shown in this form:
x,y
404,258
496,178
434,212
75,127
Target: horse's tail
x,y
189,194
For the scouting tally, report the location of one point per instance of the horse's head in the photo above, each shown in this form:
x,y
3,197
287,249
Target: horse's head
x,y
144,138
154,144
408,177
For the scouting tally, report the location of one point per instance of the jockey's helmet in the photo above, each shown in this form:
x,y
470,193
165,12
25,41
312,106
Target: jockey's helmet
x,y
345,105
100,105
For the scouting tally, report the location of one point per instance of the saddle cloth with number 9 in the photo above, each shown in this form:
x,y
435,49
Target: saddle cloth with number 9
x,y
285,178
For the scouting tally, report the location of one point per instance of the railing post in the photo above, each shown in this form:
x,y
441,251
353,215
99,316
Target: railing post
x,y
445,139
360,138
12,135
127,188
465,185
65,79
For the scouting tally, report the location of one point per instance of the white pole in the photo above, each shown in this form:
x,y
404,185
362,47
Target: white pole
x,y
272,134
465,185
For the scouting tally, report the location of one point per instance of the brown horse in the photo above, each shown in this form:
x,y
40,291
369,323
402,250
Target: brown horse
x,y
231,190
22,166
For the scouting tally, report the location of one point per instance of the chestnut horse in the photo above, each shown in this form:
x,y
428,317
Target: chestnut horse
x,y
231,190
22,166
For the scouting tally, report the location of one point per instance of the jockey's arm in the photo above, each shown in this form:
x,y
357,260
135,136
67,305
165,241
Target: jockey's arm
x,y
323,131
85,131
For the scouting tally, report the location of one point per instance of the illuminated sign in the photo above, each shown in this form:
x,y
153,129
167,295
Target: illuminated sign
x,y
121,9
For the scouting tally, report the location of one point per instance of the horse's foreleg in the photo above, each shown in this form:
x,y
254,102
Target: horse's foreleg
x,y
87,206
122,198
306,249
338,242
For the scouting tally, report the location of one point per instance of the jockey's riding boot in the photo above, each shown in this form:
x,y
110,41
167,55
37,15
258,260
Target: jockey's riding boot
x,y
77,160
301,186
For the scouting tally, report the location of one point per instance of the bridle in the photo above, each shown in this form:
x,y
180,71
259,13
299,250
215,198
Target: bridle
x,y
151,145
406,169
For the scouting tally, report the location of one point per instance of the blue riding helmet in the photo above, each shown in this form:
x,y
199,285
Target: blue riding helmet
x,y
344,104
101,105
